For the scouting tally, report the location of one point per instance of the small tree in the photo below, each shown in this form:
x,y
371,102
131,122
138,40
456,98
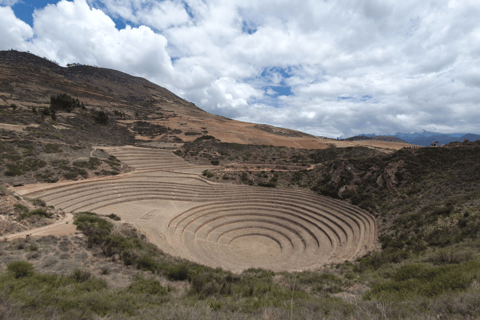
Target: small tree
x,y
53,114
101,117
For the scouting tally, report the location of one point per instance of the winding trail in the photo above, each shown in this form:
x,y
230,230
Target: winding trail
x,y
62,227
220,225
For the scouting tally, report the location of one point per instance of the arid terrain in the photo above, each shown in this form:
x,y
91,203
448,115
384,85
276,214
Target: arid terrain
x,y
122,200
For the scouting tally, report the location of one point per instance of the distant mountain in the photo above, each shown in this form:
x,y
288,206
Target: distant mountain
x,y
471,137
379,138
424,138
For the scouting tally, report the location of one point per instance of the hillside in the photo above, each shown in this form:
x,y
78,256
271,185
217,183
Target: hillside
x,y
149,113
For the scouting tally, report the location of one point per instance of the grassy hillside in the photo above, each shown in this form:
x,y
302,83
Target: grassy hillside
x,y
126,277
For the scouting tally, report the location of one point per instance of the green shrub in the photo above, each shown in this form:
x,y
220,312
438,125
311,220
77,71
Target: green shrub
x,y
424,280
20,208
52,148
203,138
80,275
46,176
100,117
74,172
94,227
177,272
128,258
20,269
377,259
270,184
92,163
38,202
64,102
147,286
147,263
451,256
178,153
113,216
37,212
53,114
70,175
207,174
215,162
20,168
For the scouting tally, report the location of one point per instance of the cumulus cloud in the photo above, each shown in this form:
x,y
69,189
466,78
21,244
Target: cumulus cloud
x,y
342,68
156,14
8,2
75,32
13,31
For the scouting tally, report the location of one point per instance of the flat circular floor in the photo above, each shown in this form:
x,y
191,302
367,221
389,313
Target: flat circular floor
x,y
253,247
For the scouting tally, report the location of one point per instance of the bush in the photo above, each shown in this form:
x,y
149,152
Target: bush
x,y
37,212
38,202
64,102
420,279
53,115
113,216
147,263
20,269
80,275
94,227
45,111
450,257
101,117
51,148
207,174
20,168
215,162
177,273
203,138
20,208
147,286
377,259
92,163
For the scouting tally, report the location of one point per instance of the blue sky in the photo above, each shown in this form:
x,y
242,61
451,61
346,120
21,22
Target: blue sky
x,y
332,68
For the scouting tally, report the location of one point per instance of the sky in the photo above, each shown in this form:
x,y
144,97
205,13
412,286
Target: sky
x,y
328,68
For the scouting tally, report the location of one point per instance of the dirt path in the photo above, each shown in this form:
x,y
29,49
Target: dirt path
x,y
63,227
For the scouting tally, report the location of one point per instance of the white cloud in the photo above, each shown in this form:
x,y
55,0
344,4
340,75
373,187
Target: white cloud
x,y
156,14
353,67
13,31
8,3
74,32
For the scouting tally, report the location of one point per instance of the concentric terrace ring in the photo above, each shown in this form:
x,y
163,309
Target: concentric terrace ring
x,y
227,226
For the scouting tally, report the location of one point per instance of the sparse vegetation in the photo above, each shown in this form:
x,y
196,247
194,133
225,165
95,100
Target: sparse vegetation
x,y
64,102
52,148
